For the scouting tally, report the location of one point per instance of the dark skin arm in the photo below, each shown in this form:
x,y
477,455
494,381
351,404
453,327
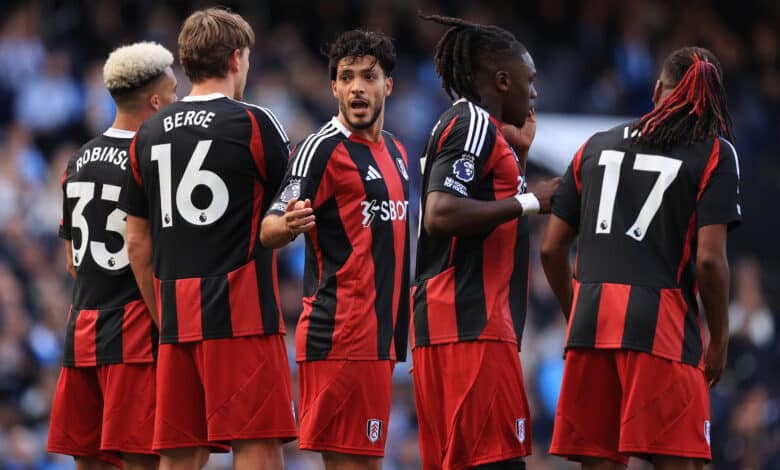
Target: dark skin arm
x,y
556,244
69,262
447,215
712,273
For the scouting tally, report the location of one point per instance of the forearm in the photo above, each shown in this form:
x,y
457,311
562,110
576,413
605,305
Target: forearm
x,y
558,271
144,277
713,281
274,232
457,216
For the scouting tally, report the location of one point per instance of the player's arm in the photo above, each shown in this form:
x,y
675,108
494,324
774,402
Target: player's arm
x,y
455,173
69,262
561,232
520,138
717,211
712,271
139,251
555,260
65,221
133,201
292,210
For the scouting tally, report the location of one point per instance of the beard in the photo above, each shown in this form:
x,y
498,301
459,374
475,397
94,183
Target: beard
x,y
366,125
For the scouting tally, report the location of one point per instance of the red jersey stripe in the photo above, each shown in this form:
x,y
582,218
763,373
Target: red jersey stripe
x,y
256,147
612,314
669,326
136,324
134,164
244,299
188,309
578,168
446,132
84,343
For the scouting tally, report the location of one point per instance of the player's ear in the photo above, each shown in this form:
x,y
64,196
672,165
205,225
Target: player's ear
x,y
388,86
235,61
502,81
658,91
333,88
154,101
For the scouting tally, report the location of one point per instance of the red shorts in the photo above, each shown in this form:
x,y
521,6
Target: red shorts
x,y
471,404
345,406
220,390
103,411
618,403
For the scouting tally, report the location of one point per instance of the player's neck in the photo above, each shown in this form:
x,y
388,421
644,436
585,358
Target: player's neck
x,y
127,121
214,85
371,134
492,105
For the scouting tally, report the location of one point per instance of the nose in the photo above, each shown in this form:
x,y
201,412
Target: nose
x,y
533,92
358,86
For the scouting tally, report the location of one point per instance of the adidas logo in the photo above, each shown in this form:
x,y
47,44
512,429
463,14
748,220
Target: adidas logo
x,y
373,174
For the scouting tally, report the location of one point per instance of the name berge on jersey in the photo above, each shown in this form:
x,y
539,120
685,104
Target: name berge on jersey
x,y
114,155
387,211
200,118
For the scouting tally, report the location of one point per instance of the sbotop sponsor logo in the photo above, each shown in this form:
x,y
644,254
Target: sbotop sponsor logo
x,y
386,211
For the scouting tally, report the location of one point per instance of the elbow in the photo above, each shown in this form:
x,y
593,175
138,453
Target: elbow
x,y
711,263
551,252
267,235
435,225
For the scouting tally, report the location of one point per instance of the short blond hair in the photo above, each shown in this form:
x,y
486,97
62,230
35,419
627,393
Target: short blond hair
x,y
129,68
207,40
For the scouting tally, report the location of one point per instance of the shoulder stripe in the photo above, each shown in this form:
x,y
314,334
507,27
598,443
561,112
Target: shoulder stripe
x,y
483,132
310,148
734,151
272,117
302,148
472,124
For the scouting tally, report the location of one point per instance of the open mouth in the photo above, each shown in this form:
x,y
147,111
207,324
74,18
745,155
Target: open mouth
x,y
358,105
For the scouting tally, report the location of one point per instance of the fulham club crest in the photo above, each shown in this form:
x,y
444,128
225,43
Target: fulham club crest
x,y
374,430
520,429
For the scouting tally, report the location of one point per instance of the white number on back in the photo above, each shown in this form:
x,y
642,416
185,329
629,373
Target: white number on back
x,y
193,177
115,222
667,169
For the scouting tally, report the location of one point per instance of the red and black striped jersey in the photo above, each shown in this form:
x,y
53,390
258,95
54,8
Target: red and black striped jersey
x,y
472,287
204,170
637,211
108,323
356,281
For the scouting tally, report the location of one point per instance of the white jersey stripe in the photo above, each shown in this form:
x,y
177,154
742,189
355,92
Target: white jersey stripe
x,y
299,164
470,135
313,149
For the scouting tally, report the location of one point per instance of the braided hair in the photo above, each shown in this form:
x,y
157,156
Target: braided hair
x,y
696,107
466,48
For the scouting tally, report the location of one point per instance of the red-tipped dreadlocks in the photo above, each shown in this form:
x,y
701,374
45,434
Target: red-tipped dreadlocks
x,y
696,107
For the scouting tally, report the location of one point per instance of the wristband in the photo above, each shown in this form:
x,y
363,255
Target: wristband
x,y
529,203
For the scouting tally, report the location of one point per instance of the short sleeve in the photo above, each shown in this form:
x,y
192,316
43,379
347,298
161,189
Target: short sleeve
x,y
272,160
305,174
719,199
133,198
65,221
462,153
566,202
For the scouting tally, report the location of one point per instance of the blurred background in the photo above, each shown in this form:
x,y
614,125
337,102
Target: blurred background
x,y
597,60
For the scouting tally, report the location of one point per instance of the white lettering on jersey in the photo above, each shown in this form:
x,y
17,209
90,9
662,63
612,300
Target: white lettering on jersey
x,y
111,155
388,211
200,118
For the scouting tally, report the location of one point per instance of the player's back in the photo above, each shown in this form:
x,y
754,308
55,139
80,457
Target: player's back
x,y
108,321
637,207
207,167
638,210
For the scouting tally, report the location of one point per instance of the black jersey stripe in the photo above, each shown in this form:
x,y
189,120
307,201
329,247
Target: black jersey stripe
x,y
265,266
108,335
215,307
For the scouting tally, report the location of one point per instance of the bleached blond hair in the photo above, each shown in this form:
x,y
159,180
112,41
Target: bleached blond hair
x,y
131,67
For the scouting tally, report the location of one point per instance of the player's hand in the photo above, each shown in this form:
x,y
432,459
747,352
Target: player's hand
x,y
715,361
299,217
544,191
520,138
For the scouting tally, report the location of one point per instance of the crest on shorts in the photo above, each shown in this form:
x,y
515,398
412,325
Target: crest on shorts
x,y
707,431
463,168
402,168
520,429
291,191
374,430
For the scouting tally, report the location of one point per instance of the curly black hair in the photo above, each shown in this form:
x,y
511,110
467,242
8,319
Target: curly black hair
x,y
360,43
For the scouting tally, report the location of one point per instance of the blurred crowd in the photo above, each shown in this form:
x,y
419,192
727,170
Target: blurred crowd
x,y
592,56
